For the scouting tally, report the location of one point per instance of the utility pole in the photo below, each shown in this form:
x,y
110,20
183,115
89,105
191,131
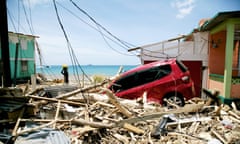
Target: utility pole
x,y
5,60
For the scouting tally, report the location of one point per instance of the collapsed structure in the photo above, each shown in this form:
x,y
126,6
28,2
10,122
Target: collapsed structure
x,y
86,115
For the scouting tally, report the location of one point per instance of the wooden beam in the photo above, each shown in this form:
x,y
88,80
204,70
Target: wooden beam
x,y
186,109
56,100
115,102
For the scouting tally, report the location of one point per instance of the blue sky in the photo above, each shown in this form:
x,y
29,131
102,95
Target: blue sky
x,y
137,22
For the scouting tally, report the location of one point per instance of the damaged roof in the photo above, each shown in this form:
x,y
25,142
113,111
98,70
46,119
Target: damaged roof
x,y
219,18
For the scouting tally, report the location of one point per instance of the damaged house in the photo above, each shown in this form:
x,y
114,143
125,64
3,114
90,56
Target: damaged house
x,y
93,114
22,57
211,52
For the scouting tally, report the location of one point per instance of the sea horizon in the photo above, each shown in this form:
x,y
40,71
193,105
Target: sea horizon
x,y
54,71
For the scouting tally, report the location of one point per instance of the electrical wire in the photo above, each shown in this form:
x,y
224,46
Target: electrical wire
x,y
28,21
71,52
68,44
148,55
98,30
30,24
122,43
110,45
91,18
42,61
70,49
11,19
30,16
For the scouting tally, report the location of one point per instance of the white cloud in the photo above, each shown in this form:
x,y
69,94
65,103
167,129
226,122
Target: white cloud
x,y
184,7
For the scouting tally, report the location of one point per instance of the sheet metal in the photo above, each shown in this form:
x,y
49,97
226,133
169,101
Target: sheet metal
x,y
44,136
54,91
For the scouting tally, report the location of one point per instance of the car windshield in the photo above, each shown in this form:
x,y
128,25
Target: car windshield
x,y
141,77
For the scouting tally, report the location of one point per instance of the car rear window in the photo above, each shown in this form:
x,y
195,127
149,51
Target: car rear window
x,y
141,77
154,73
181,66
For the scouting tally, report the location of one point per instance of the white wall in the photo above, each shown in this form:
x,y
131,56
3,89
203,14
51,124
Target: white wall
x,y
183,50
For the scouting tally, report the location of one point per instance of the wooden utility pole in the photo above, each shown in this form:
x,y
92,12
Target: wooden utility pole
x,y
5,60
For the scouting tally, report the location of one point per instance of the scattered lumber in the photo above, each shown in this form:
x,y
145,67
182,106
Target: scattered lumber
x,y
92,124
132,128
35,128
187,109
56,100
118,120
80,90
115,102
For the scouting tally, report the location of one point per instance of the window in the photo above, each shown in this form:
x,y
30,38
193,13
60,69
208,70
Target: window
x,y
23,43
24,66
124,83
141,78
153,74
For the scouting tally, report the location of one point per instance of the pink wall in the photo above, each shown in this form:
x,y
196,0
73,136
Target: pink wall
x,y
217,55
217,63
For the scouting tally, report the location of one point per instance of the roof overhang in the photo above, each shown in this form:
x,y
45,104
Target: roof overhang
x,y
21,34
218,22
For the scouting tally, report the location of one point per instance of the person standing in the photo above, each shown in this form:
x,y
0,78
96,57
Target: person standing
x,y
64,72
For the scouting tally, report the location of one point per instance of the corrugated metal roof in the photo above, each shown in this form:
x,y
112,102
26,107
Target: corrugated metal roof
x,y
21,34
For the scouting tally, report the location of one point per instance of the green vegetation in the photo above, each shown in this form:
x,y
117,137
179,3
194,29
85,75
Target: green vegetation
x,y
98,78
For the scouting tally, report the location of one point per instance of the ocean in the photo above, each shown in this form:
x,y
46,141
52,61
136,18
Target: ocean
x,y
54,71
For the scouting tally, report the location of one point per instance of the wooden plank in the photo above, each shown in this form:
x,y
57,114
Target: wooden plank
x,y
115,102
92,124
57,113
121,138
133,128
14,132
56,100
81,90
82,130
35,128
219,136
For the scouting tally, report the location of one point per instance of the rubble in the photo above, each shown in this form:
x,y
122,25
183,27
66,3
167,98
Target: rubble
x,y
94,115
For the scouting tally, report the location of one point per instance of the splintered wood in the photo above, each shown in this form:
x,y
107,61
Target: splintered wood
x,y
104,118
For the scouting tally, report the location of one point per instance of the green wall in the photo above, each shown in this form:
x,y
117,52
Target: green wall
x,y
26,52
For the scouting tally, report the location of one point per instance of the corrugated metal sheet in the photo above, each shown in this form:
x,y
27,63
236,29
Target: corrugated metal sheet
x,y
11,104
44,136
5,138
54,91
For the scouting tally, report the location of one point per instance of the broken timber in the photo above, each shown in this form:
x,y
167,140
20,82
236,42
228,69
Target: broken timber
x,y
186,109
115,102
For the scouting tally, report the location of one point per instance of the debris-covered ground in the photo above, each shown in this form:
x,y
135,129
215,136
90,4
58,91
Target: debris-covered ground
x,y
68,114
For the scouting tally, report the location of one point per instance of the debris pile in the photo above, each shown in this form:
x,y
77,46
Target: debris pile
x,y
95,115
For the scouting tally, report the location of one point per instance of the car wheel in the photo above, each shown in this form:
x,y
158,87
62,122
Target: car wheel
x,y
174,99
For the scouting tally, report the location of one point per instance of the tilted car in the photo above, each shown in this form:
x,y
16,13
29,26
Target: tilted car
x,y
167,79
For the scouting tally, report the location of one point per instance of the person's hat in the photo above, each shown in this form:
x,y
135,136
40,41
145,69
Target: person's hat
x,y
64,66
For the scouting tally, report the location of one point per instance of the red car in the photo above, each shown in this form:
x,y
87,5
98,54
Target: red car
x,y
168,79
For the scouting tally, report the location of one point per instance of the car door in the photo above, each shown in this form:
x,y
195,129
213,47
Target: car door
x,y
160,83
